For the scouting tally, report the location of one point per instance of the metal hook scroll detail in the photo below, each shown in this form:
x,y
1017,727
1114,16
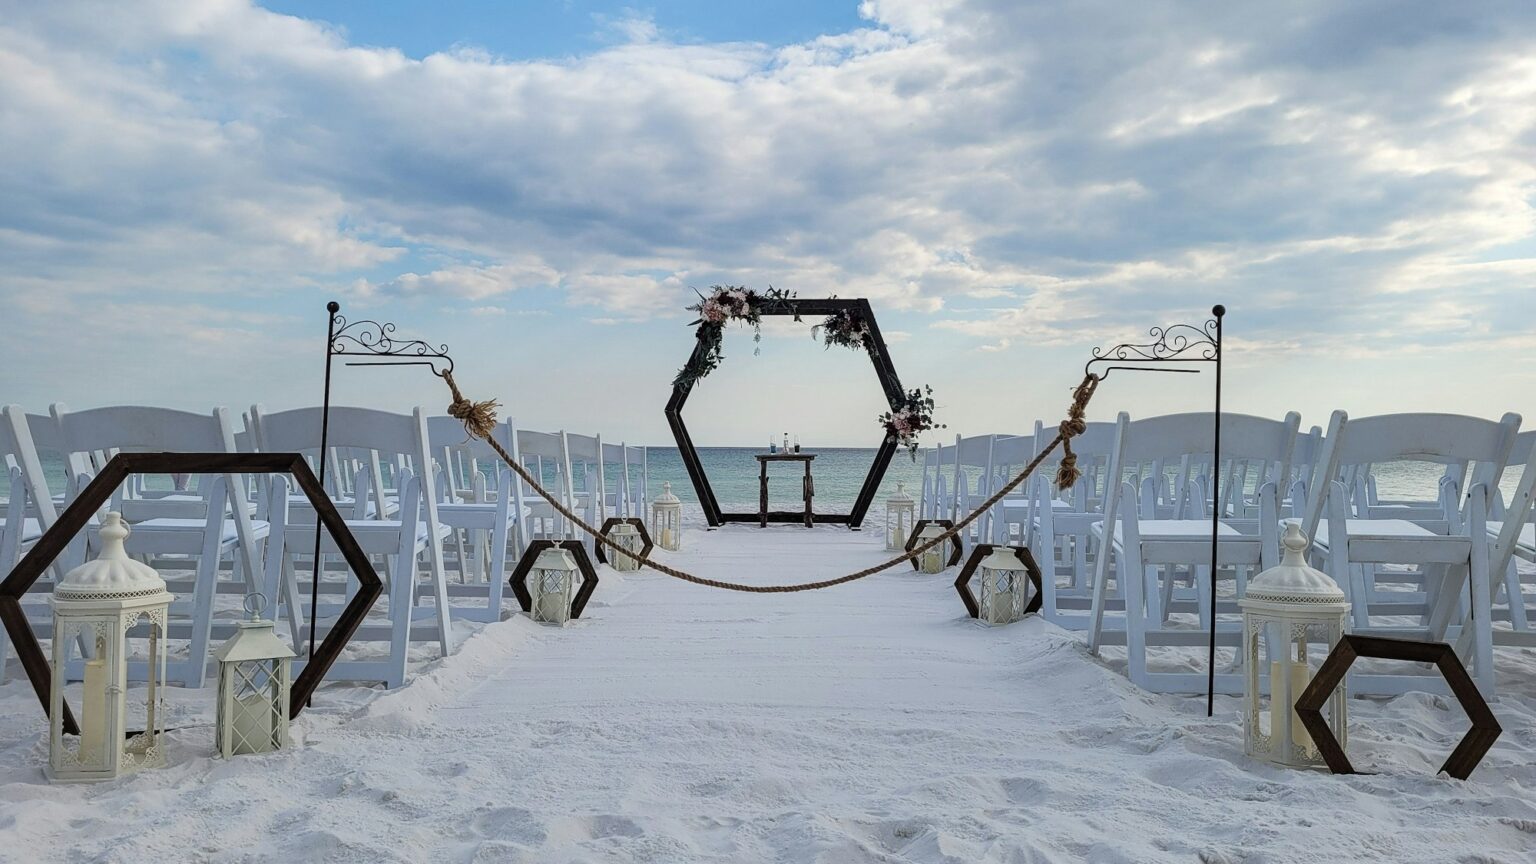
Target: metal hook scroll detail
x,y
1176,343
367,338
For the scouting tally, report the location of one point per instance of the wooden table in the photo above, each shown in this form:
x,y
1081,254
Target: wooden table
x,y
807,485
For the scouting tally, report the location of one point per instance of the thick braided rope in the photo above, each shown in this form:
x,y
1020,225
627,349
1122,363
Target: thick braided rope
x,y
479,419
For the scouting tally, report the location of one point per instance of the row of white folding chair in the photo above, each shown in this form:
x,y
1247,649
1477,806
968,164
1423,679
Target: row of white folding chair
x,y
628,496
478,512
1448,589
1154,551
410,534
935,491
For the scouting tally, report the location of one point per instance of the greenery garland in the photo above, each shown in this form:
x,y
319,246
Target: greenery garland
x,y
845,329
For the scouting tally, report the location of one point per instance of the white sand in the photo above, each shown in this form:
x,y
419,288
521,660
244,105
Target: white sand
x,y
868,723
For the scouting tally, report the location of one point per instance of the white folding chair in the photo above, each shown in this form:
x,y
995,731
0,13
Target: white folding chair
x,y
1515,540
1433,556
1153,550
416,531
481,518
206,528
1061,534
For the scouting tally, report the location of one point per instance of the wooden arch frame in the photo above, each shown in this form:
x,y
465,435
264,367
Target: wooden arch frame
x,y
879,355
98,491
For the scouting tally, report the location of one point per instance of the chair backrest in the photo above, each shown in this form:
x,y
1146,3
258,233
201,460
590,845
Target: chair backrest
x,y
1156,440
371,431
138,428
972,456
18,448
1454,440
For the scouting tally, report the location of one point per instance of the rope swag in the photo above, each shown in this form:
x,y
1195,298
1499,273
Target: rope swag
x,y
479,419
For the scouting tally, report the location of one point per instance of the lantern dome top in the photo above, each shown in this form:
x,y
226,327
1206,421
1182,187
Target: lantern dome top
x,y
666,497
113,575
900,496
1001,558
1293,582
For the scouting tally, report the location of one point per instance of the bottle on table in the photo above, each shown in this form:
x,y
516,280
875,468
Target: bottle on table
x,y
786,442
797,443
772,448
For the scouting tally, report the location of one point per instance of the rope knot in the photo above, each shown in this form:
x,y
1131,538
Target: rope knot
x,y
479,418
1067,474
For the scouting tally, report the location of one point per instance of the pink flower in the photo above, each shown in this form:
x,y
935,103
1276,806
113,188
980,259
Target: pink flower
x,y
712,311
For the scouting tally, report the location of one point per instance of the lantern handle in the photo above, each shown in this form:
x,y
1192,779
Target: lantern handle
x,y
255,604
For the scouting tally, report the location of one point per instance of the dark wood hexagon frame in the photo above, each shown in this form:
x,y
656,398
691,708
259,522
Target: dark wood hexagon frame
x,y
879,355
98,491
1473,746
956,551
645,536
982,550
589,579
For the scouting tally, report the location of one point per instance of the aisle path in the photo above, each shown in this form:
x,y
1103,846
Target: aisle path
x,y
865,723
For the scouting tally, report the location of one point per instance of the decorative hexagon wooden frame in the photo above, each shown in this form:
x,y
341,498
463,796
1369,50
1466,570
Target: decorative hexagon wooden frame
x,y
879,355
120,468
589,579
1473,746
982,550
956,550
645,536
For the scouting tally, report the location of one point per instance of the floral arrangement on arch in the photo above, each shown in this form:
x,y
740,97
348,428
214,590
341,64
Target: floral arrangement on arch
x,y
725,303
847,329
911,418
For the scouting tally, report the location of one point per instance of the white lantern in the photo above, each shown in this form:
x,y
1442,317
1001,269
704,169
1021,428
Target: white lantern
x,y
97,604
667,519
551,583
1004,588
1289,608
899,512
931,561
255,670
626,536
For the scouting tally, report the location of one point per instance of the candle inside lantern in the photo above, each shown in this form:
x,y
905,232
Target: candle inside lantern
x,y
666,538
93,720
1299,679
253,724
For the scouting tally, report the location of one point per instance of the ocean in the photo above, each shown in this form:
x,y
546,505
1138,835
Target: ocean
x,y
839,473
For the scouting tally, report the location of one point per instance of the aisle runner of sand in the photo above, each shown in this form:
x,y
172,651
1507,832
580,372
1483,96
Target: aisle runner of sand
x,y
868,723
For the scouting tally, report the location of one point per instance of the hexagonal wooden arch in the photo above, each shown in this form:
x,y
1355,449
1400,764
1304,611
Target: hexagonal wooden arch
x,y
982,550
519,577
1473,746
98,491
955,553
645,536
879,355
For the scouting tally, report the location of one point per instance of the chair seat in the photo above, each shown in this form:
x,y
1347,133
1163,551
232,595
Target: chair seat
x,y
166,525
30,529
1379,529
1527,539
1182,529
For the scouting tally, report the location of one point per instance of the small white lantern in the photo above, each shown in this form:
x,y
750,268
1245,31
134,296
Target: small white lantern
x,y
900,510
551,583
1289,608
667,519
931,561
255,670
1003,587
626,536
97,603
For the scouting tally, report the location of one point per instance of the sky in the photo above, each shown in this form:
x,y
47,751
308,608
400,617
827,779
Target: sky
x,y
543,186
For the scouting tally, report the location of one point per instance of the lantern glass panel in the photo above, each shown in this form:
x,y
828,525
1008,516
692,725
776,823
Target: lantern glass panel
x,y
256,706
1283,656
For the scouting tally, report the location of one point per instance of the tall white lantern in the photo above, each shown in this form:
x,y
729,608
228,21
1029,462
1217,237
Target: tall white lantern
x,y
900,510
551,583
667,519
1289,609
255,671
627,537
1004,588
931,561
97,604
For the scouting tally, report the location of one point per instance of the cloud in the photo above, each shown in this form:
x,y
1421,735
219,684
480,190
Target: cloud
x,y
1017,172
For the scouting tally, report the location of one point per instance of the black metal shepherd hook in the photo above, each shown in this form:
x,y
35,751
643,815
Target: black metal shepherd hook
x,y
1181,343
377,341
